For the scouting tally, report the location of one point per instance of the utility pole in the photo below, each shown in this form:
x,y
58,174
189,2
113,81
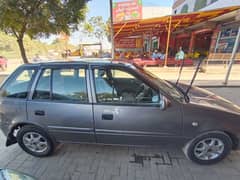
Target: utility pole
x,y
112,32
168,41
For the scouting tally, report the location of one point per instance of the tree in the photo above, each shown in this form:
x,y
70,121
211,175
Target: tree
x,y
96,27
38,18
108,30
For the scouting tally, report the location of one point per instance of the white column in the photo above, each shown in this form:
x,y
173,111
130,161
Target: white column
x,y
232,57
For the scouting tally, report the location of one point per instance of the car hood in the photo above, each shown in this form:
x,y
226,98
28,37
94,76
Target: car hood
x,y
208,99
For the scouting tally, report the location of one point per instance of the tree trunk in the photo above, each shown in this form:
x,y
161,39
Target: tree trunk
x,y
22,50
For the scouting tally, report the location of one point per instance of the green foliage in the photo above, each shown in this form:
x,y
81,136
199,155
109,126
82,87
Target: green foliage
x,y
32,47
114,5
40,18
96,27
108,29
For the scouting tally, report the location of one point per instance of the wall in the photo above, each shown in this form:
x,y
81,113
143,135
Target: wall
x,y
151,12
178,4
190,3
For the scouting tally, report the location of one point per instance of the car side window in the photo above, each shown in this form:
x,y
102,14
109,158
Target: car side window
x,y
67,85
42,90
119,86
18,86
105,91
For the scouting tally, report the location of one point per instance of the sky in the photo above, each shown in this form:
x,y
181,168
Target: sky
x,y
101,8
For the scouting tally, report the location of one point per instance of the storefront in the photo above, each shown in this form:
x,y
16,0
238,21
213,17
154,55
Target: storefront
x,y
166,34
227,37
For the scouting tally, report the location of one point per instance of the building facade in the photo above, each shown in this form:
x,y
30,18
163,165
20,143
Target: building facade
x,y
155,11
219,34
186,6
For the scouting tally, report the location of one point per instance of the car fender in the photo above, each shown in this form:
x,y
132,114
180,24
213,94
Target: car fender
x,y
11,135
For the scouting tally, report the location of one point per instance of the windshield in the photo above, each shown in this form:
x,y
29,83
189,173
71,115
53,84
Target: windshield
x,y
168,88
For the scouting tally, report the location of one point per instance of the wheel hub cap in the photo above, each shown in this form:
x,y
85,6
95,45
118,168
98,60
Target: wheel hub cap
x,y
35,142
209,149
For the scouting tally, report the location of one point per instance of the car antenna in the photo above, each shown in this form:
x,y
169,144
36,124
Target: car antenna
x,y
180,71
194,76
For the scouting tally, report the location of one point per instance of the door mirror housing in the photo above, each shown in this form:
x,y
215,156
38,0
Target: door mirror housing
x,y
164,102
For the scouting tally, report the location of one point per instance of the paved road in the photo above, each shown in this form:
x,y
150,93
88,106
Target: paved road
x,y
93,162
232,94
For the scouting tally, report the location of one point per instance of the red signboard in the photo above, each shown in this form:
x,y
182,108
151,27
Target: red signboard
x,y
127,10
125,43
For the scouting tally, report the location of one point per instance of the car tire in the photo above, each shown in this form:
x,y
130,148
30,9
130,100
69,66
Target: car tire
x,y
208,148
35,141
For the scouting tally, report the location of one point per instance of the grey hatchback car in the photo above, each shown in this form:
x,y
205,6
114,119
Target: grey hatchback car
x,y
44,104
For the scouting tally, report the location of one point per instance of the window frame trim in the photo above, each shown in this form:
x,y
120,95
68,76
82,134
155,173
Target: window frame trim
x,y
14,75
56,67
130,71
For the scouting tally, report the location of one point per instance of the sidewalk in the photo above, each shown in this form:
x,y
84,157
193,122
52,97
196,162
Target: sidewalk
x,y
214,76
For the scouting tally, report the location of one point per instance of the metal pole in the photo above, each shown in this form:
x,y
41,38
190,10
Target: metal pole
x,y
150,45
232,57
112,31
168,40
218,38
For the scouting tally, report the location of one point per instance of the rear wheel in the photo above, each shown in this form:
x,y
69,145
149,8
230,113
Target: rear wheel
x,y
209,148
35,141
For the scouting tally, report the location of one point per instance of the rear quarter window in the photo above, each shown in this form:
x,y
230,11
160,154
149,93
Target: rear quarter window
x,y
17,85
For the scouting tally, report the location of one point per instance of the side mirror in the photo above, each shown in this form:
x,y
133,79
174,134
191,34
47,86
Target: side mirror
x,y
164,102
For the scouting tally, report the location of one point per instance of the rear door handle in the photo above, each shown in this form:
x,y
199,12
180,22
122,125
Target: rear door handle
x,y
39,113
107,117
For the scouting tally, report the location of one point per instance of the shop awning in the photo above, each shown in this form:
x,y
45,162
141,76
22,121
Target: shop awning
x,y
161,24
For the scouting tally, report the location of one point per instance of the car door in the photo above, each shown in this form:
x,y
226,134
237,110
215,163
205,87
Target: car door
x,y
60,102
13,97
128,114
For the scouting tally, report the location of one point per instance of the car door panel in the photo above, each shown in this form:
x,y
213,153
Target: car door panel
x,y
66,111
11,110
136,125
13,95
133,123
65,121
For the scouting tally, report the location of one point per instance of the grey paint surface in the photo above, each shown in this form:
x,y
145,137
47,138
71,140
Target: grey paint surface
x,y
81,162
137,125
64,121
130,124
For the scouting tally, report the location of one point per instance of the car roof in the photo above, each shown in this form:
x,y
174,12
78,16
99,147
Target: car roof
x,y
97,62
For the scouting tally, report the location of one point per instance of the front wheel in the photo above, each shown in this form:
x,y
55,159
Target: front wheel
x,y
35,141
209,148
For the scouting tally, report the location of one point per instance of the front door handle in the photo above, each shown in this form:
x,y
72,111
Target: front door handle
x,y
107,117
39,113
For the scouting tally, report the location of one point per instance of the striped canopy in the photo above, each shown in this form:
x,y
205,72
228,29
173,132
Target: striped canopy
x,y
162,24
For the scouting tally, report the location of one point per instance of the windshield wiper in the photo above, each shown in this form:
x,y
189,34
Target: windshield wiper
x,y
180,71
186,97
192,80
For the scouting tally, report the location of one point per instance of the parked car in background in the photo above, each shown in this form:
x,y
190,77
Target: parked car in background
x,y
3,63
106,102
